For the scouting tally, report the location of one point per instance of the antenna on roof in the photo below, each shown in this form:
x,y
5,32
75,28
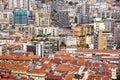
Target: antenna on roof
x,y
38,67
101,68
18,77
57,73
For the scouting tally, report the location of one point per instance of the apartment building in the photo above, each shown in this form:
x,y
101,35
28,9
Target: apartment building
x,y
99,24
53,31
18,4
115,14
12,48
20,17
89,39
7,40
3,49
42,18
81,30
31,17
105,40
111,56
58,66
61,19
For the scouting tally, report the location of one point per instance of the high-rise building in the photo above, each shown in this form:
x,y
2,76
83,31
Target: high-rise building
x,y
61,19
18,4
42,18
59,15
31,4
3,49
31,17
40,49
105,40
20,17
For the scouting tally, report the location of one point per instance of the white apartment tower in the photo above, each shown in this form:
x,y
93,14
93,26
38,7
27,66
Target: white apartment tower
x,y
18,4
40,49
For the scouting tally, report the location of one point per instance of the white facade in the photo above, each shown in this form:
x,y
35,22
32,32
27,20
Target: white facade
x,y
8,15
71,49
40,49
47,30
31,4
71,41
6,41
99,24
13,4
90,41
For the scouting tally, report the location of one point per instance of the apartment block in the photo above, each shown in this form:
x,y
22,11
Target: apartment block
x,y
20,17
105,40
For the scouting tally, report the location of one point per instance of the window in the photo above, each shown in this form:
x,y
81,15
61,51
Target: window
x,y
5,15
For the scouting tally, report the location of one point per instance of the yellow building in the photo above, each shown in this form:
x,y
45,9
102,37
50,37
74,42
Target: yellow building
x,y
105,40
29,36
102,41
37,17
1,1
77,30
82,31
42,18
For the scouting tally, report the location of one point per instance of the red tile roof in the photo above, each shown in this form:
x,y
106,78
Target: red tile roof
x,y
37,71
64,68
12,46
98,50
69,77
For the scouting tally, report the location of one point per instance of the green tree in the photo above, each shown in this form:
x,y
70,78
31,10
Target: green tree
x,y
117,0
118,43
46,39
42,1
76,3
71,3
118,77
86,46
62,44
61,35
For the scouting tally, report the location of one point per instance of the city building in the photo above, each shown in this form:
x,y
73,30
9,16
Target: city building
x,y
61,19
7,40
18,4
51,31
82,30
3,49
59,66
105,40
20,17
59,39
31,17
7,19
40,49
99,24
90,40
12,48
71,41
42,18
110,56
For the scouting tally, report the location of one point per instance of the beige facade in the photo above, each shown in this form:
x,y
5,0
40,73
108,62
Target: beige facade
x,y
105,40
102,41
0,50
42,18
99,24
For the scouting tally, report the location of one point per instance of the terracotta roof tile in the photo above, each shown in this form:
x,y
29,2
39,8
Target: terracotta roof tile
x,y
37,71
12,46
69,77
81,62
64,68
98,50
